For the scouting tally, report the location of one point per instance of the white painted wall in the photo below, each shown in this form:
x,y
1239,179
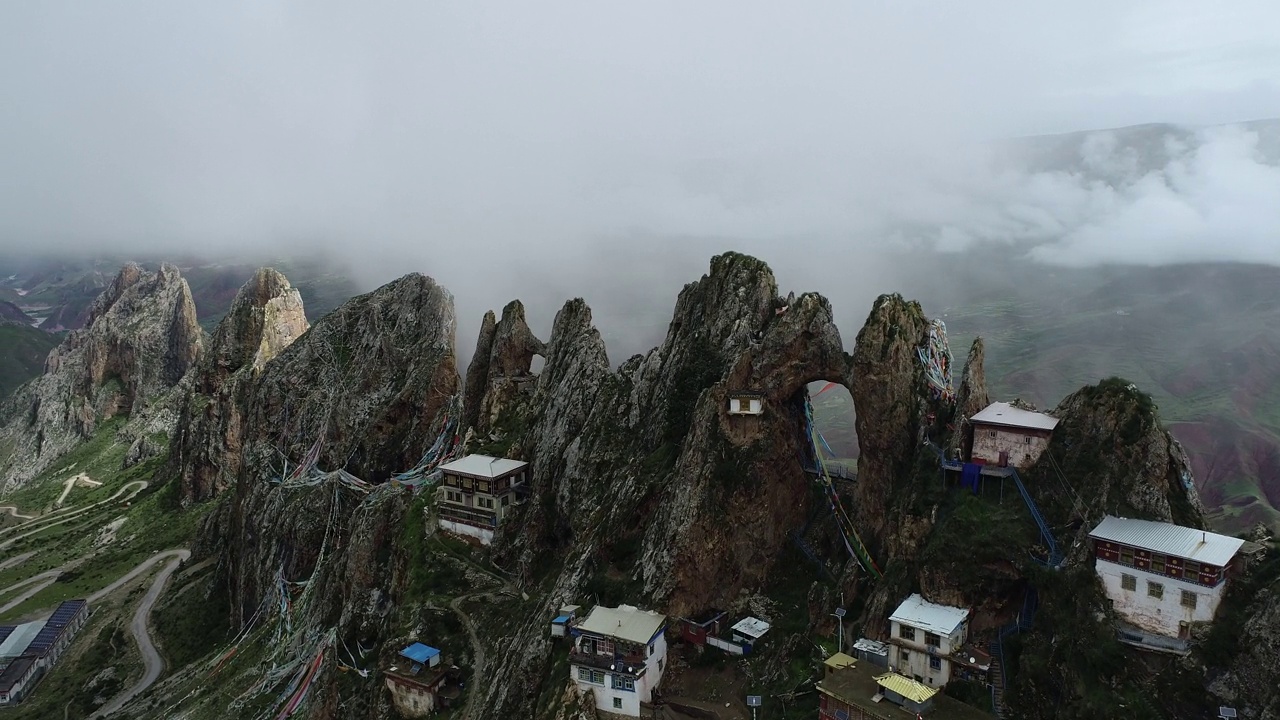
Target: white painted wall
x,y
655,666
917,662
1159,616
484,535
746,406
1012,440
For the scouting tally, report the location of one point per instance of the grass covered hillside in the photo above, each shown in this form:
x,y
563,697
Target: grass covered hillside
x,y
23,350
1204,341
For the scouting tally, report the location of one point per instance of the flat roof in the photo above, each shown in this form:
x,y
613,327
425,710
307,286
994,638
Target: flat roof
x,y
920,613
1005,414
624,622
839,661
418,652
871,646
484,466
1184,542
752,627
906,687
19,639
14,673
856,685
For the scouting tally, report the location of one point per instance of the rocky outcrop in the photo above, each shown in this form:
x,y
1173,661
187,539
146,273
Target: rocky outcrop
x,y
1117,459
140,340
637,471
264,319
889,392
501,367
1249,680
971,394
369,382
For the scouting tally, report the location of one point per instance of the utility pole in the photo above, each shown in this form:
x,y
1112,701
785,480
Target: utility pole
x,y
753,702
839,615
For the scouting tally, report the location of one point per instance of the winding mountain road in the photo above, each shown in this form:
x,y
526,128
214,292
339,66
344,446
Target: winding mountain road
x,y
140,625
137,486
11,510
16,560
41,581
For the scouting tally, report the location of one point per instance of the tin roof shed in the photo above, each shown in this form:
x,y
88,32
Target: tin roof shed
x,y
419,653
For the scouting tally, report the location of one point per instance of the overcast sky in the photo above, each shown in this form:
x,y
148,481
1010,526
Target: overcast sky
x,y
511,147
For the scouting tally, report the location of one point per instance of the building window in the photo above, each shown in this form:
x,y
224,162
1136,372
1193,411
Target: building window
x,y
597,677
1157,564
1027,439
617,703
991,433
584,674
905,656
623,683
506,500
1155,590
906,632
935,663
659,665
1128,582
1126,556
931,639
1188,599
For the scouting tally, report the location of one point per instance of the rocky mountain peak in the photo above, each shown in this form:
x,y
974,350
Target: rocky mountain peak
x,y
501,366
971,393
265,318
1110,434
141,340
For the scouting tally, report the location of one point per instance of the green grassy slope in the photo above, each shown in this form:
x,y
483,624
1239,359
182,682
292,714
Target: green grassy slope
x,y
1203,341
23,350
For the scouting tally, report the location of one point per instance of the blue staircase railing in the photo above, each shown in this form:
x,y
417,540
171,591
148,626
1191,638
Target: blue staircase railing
x,y
1055,555
805,548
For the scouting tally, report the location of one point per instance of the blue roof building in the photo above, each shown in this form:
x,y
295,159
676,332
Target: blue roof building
x,y
421,655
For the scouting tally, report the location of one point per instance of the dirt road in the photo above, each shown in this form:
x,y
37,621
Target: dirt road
x,y
137,486
140,625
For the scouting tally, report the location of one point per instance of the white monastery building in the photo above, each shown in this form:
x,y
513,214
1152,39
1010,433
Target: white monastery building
x,y
924,636
619,654
477,492
1162,577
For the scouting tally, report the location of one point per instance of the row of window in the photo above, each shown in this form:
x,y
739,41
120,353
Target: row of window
x,y
456,497
1156,590
935,663
906,632
1161,564
596,677
1025,438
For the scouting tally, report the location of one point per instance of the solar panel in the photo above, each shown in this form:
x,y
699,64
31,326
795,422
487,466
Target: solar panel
x,y
1226,712
6,631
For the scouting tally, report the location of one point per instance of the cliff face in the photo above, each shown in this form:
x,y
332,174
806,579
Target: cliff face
x,y
140,339
646,489
265,318
971,394
500,369
369,383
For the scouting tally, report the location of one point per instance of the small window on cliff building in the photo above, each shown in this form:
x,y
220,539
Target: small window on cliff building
x,y
1128,582
991,434
1155,590
906,632
1027,438
1188,599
